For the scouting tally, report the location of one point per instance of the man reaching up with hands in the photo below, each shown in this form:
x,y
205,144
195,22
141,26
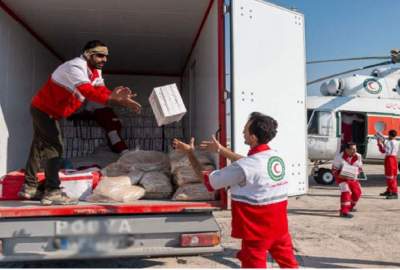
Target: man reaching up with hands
x,y
259,193
64,92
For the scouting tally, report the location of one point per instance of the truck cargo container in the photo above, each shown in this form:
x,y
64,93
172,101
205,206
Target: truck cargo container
x,y
228,58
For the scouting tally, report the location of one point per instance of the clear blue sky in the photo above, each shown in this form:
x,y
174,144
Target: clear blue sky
x,y
347,28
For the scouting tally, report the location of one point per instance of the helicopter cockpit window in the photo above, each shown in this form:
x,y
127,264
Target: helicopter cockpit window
x,y
312,121
319,123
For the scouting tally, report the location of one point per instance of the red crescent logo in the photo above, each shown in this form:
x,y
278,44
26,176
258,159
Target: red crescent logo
x,y
277,168
373,86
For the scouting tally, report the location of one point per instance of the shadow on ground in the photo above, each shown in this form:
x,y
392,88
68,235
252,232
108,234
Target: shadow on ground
x,y
225,258
374,180
329,262
86,263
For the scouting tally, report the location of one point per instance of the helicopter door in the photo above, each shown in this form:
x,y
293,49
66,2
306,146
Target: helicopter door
x,y
382,124
268,76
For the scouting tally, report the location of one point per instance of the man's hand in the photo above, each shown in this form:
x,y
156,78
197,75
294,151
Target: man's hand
x,y
127,90
211,146
214,146
122,89
131,104
184,147
123,96
380,141
188,149
395,54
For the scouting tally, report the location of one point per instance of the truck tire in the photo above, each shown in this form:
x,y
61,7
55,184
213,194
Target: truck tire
x,y
324,177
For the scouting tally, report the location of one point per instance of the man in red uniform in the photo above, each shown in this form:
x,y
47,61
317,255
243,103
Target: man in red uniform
x,y
349,186
259,193
390,148
65,91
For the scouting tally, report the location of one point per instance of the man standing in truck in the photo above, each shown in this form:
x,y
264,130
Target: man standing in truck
x,y
259,193
65,91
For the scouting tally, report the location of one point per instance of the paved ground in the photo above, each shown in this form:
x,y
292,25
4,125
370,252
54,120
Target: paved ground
x,y
370,239
321,238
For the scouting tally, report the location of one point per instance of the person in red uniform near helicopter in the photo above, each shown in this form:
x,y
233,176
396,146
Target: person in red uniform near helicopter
x,y
390,148
350,187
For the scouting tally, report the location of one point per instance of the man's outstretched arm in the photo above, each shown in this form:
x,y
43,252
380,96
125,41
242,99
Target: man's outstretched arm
x,y
226,177
188,149
214,146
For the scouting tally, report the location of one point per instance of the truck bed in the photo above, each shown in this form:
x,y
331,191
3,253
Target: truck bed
x,y
13,209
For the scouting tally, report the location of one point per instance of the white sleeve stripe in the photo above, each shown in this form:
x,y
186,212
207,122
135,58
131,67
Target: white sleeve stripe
x,y
98,82
79,95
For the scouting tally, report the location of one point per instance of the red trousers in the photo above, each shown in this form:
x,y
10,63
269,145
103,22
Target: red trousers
x,y
350,194
107,119
254,253
391,174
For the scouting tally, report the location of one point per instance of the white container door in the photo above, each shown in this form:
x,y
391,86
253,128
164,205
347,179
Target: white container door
x,y
268,76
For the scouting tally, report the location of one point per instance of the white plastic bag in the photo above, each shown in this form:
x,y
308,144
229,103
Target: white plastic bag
x,y
145,161
114,169
193,192
186,175
118,189
131,178
179,159
157,185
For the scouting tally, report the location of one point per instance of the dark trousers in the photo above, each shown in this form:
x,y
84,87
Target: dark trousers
x,y
46,149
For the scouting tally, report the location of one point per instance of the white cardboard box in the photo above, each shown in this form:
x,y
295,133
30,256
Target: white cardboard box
x,y
167,104
349,171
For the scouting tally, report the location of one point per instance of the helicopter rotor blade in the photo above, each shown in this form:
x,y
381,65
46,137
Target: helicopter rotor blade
x,y
349,71
348,59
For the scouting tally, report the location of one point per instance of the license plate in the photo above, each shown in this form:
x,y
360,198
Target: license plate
x,y
93,227
95,243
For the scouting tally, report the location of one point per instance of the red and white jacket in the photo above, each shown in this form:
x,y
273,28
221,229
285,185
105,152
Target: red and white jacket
x,y
259,194
68,87
355,160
